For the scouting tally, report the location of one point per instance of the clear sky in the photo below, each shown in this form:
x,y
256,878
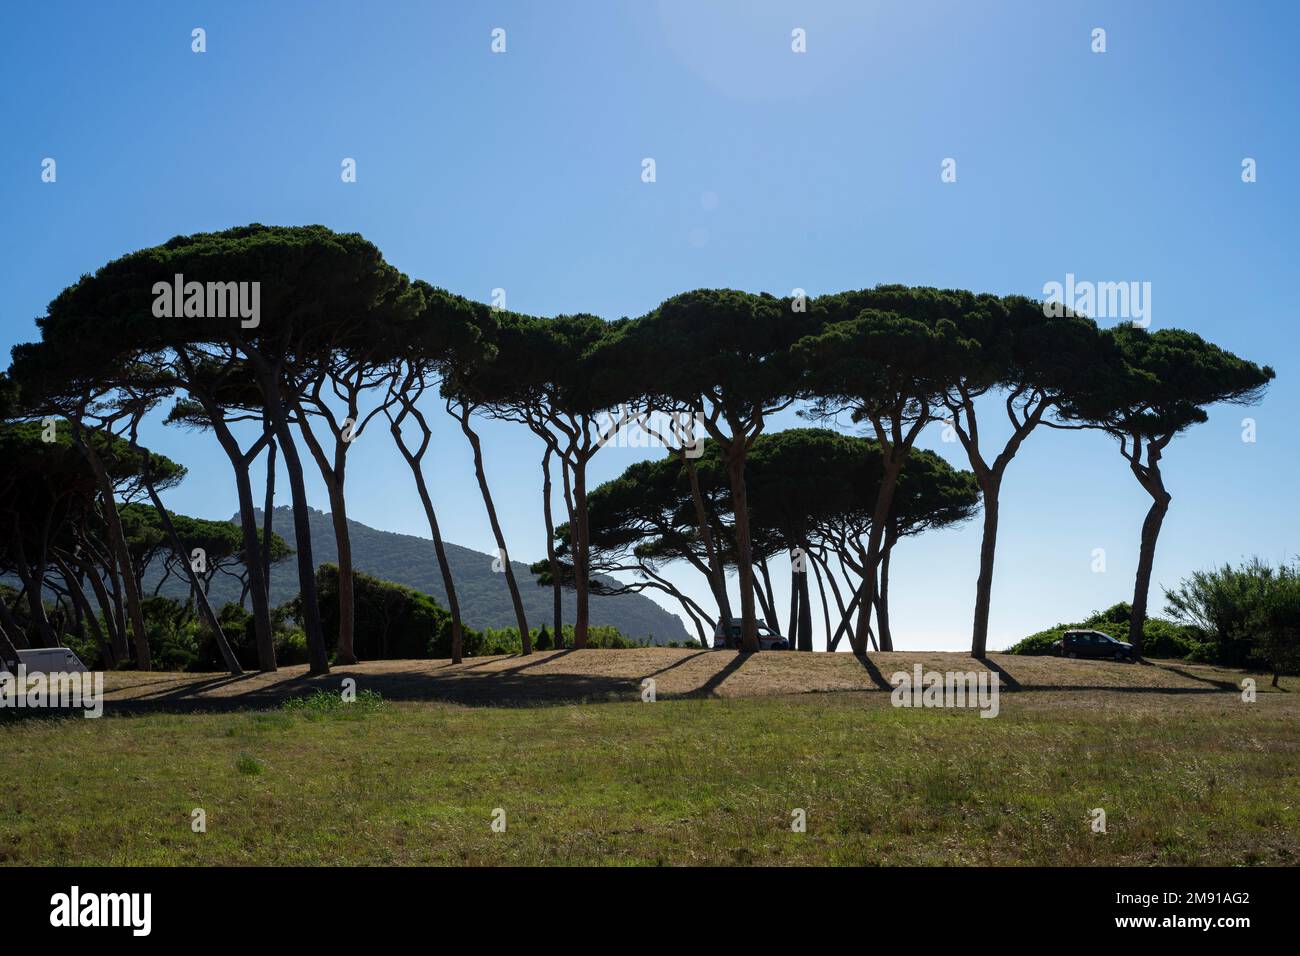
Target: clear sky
x,y
775,170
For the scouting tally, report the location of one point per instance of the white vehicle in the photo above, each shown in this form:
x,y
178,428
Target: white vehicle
x,y
48,660
768,639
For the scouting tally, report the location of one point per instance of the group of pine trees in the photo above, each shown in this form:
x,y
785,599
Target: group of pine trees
x,y
341,343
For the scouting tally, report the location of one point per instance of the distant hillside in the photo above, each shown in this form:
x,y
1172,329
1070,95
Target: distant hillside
x,y
406,559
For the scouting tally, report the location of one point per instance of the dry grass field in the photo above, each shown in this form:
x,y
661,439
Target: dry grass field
x,y
712,772
606,675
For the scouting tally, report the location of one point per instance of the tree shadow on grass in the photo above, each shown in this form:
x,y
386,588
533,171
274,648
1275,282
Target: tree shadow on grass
x,y
521,685
1010,682
874,673
491,688
1220,684
708,688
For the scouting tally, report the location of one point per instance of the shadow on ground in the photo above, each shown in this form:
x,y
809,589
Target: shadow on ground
x,y
597,676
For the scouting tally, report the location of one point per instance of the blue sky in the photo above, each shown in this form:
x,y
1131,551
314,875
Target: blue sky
x,y
775,170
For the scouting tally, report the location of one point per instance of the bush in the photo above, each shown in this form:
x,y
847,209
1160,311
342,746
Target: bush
x,y
1040,643
391,621
174,641
1225,609
1161,638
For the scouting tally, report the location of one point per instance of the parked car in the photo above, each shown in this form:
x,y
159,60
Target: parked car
x,y
1092,644
768,639
48,660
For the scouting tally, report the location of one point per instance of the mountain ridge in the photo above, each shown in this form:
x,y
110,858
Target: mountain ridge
x,y
411,560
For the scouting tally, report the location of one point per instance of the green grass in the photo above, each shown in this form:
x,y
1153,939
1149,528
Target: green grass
x,y
1183,780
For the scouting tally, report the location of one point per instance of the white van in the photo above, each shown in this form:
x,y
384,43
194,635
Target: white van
x,y
768,639
48,660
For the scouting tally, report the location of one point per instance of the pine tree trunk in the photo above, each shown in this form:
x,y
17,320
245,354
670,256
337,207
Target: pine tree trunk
x,y
205,606
268,512
33,587
117,544
717,579
317,653
259,586
805,612
116,641
83,603
884,502
556,595
991,488
1146,560
256,561
345,649
521,620
794,604
580,555
444,566
744,550
882,599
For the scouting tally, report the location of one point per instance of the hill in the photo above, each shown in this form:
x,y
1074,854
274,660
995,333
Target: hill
x,y
410,560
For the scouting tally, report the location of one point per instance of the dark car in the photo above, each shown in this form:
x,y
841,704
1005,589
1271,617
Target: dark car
x,y
1092,644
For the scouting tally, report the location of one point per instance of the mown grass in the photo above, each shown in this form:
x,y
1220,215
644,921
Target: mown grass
x,y
1186,779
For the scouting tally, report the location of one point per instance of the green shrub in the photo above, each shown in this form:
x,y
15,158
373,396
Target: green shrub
x,y
248,765
1040,643
321,704
391,620
542,641
1161,638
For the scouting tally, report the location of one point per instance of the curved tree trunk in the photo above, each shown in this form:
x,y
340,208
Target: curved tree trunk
x,y
317,653
882,599
116,607
268,512
34,588
258,583
345,649
422,489
334,476
521,620
805,611
258,586
794,604
117,543
580,557
991,488
744,550
205,606
556,585
717,579
884,502
87,610
116,642
1146,559
766,596
826,608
